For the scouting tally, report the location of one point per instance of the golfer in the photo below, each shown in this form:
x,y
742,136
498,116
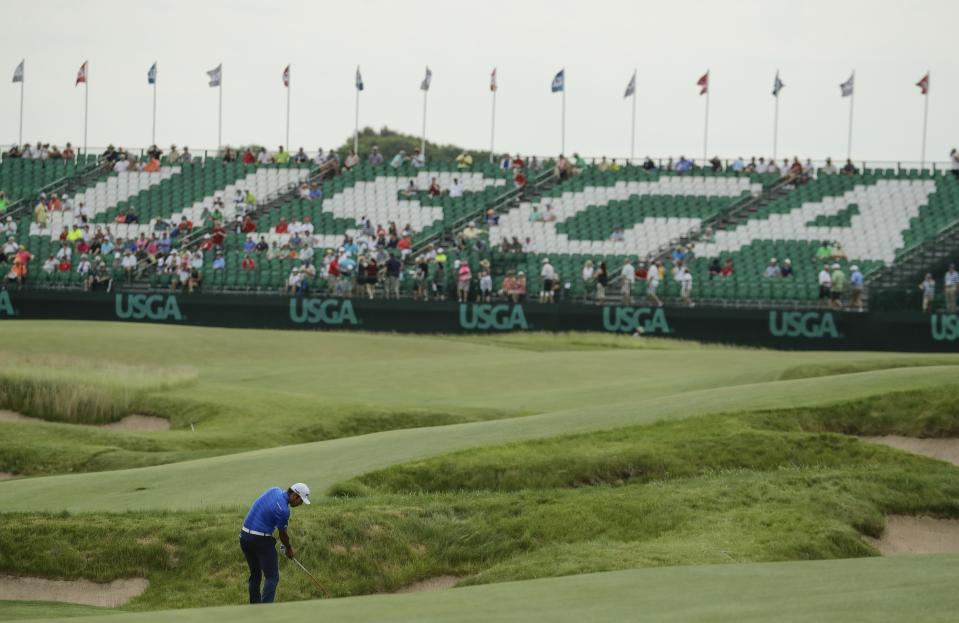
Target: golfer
x,y
270,511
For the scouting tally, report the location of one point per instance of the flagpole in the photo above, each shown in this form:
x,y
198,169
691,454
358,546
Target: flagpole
x,y
356,125
562,148
154,133
423,138
775,126
86,101
23,77
289,83
632,137
492,131
219,131
706,127
925,120
852,98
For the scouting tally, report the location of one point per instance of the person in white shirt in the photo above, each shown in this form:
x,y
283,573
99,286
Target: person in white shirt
x,y
652,284
456,190
128,263
263,157
121,165
65,252
48,267
306,227
419,159
529,246
762,167
588,272
629,278
829,168
686,286
548,273
825,284
951,281
83,268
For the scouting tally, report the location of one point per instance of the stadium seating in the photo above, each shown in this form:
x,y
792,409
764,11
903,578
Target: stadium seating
x,y
23,178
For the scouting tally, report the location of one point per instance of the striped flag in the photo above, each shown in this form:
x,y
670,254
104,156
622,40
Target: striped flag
x,y
359,79
286,76
427,79
82,74
492,80
216,75
559,82
631,87
18,72
777,85
847,87
924,84
704,83
152,74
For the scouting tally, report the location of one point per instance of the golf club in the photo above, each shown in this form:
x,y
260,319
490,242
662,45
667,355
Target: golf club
x,y
307,572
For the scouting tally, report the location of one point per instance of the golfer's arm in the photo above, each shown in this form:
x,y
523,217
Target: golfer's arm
x,y
284,537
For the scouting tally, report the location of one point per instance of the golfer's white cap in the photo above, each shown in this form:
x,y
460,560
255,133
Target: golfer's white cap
x,y
302,490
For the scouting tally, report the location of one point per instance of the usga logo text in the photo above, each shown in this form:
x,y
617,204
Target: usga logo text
x,y
628,319
147,306
499,317
944,327
330,312
803,324
6,305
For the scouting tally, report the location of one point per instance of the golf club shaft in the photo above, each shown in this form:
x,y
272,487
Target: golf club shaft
x,y
312,577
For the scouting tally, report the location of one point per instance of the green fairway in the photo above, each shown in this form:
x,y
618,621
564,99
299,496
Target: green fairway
x,y
24,610
915,588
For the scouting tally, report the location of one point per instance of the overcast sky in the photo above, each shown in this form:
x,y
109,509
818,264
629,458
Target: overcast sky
x,y
815,44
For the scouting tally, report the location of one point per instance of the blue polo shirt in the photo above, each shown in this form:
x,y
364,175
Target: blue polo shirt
x,y
269,512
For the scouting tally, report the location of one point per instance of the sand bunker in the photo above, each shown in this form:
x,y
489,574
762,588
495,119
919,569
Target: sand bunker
x,y
918,535
140,423
131,423
116,593
439,583
942,449
7,475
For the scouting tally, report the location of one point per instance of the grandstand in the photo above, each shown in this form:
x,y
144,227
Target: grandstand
x,y
870,219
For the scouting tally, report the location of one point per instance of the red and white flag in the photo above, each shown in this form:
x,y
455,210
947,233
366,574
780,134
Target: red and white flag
x,y
492,80
286,76
82,74
924,84
704,83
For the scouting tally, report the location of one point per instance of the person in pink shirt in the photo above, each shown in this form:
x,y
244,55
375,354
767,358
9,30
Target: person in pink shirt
x,y
463,277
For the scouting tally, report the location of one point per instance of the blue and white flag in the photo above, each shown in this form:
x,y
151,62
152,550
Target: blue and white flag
x,y
359,79
152,75
216,75
425,85
18,72
847,86
777,85
559,82
631,87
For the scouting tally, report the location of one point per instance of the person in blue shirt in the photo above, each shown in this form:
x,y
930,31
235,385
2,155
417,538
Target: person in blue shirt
x,y
270,511
250,245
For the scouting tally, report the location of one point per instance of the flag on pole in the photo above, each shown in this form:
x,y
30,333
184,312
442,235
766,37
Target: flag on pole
x,y
359,79
286,76
631,87
922,84
846,88
152,74
559,82
704,83
425,85
82,74
492,80
215,75
777,85
18,73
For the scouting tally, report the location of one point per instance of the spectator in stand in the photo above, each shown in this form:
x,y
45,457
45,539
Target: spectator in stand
x,y
421,275
152,166
837,286
3,203
398,160
131,216
411,189
849,168
715,268
282,227
352,160
738,165
509,289
787,269
301,157
652,284
772,270
954,157
618,234
587,277
464,161
825,284
219,263
128,264
685,279
393,268
418,160
375,158
521,286
40,212
928,287
517,162
370,273
629,278
716,164
829,168
248,157
316,193
548,275
506,162
248,263
263,156
856,285
68,153
684,165
21,260
434,189
294,279
602,280
439,280
456,189
50,266
186,156
772,167
648,164
463,277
